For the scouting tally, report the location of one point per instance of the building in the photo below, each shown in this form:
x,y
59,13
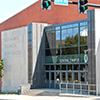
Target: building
x,y
37,50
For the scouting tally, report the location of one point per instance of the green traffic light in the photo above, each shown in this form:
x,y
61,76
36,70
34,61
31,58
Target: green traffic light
x,y
48,3
85,7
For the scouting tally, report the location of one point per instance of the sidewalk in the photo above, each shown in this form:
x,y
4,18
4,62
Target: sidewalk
x,y
22,97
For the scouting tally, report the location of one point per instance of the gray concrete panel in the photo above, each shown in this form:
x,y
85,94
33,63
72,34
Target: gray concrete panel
x,y
38,54
14,54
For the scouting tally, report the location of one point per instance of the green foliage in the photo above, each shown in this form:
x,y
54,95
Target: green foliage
x,y
1,67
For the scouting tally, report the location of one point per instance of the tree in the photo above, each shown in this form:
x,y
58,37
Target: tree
x,y
1,67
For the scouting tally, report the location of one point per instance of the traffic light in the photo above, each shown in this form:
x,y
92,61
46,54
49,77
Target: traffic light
x,y
46,4
82,6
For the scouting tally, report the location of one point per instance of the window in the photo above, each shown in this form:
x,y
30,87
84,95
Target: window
x,y
63,67
47,75
69,67
52,75
47,67
52,67
69,76
63,76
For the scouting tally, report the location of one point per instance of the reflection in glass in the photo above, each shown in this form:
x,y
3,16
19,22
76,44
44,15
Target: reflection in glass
x,y
29,35
47,67
76,77
83,35
67,37
53,39
58,67
58,28
52,75
82,67
52,52
69,51
52,67
57,76
63,67
82,48
76,67
83,77
75,36
47,39
69,67
57,38
47,75
75,25
29,42
70,37
83,23
69,76
69,26
63,76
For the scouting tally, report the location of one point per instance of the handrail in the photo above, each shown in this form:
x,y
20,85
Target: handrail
x,y
79,87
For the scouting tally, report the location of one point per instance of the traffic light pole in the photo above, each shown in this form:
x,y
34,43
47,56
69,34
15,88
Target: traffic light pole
x,y
88,4
93,5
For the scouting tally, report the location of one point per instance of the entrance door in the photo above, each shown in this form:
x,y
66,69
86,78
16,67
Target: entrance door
x,y
57,80
52,80
76,77
47,79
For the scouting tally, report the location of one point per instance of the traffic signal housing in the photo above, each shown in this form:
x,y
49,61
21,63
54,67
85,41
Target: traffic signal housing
x,y
82,6
46,4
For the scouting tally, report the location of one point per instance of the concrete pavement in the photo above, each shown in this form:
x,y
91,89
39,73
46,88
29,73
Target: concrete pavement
x,y
23,97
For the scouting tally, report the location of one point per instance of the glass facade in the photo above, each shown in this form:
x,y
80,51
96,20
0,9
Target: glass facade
x,y
64,53
66,43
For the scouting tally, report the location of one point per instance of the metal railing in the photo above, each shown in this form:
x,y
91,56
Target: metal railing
x,y
78,88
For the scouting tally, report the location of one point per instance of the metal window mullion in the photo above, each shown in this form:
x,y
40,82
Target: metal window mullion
x,y
60,42
79,40
49,79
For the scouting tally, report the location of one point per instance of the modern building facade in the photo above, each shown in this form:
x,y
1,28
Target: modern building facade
x,y
61,45
64,52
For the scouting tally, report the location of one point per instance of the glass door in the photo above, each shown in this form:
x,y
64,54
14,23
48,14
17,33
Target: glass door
x,y
52,80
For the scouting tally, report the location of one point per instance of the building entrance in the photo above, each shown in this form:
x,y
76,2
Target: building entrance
x,y
54,74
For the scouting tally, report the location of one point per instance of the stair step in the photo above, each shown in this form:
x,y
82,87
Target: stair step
x,y
34,92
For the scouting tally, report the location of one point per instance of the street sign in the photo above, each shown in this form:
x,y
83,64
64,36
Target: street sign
x,y
61,2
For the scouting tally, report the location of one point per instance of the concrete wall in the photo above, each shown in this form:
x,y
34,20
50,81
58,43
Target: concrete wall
x,y
91,48
14,53
94,47
38,54
97,47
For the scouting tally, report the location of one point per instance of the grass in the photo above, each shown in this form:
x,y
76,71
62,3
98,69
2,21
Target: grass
x,y
6,93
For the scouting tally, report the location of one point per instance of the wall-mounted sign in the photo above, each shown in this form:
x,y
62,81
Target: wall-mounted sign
x,y
69,60
85,56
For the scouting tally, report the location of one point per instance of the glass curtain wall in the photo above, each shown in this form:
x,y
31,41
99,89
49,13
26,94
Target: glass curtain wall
x,y
64,53
66,43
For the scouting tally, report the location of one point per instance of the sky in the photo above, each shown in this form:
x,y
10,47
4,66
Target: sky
x,y
8,8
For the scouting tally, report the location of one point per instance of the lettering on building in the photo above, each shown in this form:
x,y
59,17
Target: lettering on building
x,y
69,60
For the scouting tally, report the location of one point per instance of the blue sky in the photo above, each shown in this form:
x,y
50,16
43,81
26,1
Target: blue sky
x,y
8,8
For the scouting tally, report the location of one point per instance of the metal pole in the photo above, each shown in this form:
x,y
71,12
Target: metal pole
x,y
93,5
88,4
72,2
